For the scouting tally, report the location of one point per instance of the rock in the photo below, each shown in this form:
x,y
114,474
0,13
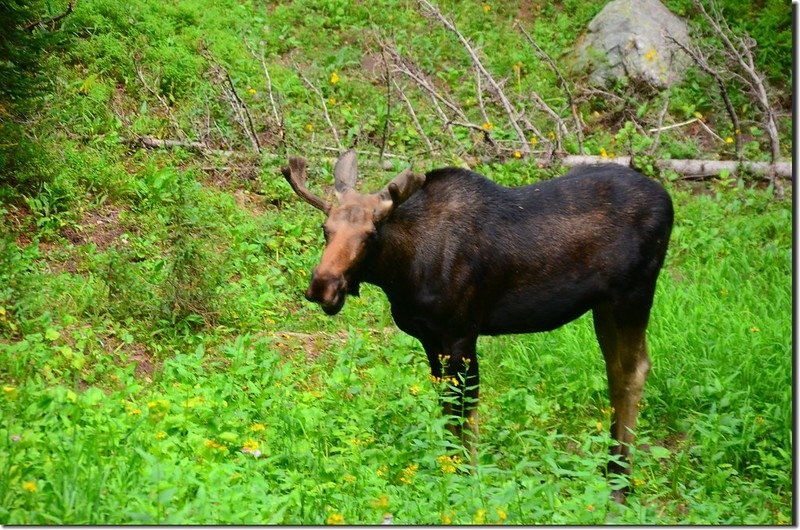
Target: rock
x,y
628,41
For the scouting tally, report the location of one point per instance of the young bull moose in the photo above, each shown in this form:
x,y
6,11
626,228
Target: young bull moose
x,y
459,256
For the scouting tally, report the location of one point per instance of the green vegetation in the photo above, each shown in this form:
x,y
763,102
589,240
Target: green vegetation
x,y
159,364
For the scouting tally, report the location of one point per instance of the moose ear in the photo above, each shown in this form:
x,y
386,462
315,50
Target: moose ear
x,y
398,191
345,173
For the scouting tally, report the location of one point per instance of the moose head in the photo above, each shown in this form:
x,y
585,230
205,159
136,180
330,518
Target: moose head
x,y
351,226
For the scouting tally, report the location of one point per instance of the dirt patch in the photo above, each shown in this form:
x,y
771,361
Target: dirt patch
x,y
529,11
133,353
249,201
101,227
311,344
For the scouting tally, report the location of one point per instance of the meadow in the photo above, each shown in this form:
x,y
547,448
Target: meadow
x,y
159,364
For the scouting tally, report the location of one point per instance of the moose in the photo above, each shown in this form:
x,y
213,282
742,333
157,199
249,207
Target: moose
x,y
459,256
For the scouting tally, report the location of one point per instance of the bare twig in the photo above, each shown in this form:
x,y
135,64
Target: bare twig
x,y
524,148
479,93
245,118
410,70
364,152
161,99
741,53
658,129
562,82
413,114
324,106
277,116
51,21
703,64
385,137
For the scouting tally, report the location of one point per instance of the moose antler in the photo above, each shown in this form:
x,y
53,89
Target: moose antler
x,y
295,175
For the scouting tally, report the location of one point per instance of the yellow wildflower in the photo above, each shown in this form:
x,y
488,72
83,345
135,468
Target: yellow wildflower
x,y
517,154
349,478
335,518
30,486
638,481
160,435
603,153
10,391
250,446
382,470
698,115
334,77
651,55
480,516
447,518
447,463
331,101
599,426
381,502
551,135
408,473
501,514
414,390
257,427
309,128
251,90
487,126
486,8
728,140
534,140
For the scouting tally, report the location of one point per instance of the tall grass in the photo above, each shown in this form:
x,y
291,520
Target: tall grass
x,y
160,366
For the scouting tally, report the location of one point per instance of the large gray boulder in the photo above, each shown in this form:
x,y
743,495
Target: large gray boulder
x,y
628,40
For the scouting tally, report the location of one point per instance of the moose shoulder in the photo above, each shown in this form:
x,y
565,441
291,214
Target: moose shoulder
x,y
459,256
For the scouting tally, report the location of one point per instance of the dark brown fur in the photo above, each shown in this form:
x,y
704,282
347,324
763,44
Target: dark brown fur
x,y
460,257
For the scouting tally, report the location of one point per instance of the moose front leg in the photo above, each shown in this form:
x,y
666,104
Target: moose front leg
x,y
459,365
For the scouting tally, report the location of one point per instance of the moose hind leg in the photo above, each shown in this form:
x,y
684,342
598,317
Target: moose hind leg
x,y
622,340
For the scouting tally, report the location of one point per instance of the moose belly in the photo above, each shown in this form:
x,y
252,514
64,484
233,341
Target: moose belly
x,y
528,310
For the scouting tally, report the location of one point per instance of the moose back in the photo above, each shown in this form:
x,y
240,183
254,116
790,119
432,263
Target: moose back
x,y
459,256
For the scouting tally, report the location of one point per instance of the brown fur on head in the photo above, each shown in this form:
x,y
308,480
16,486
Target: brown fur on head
x,y
350,226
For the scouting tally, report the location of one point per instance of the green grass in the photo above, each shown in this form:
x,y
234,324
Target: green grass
x,y
153,333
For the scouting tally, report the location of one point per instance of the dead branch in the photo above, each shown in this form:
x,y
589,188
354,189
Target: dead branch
x,y
364,153
324,106
413,114
244,117
148,142
741,53
563,84
410,70
691,167
702,62
276,114
388,77
524,148
659,128
52,21
140,75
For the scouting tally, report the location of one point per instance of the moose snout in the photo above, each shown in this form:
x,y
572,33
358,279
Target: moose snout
x,y
327,291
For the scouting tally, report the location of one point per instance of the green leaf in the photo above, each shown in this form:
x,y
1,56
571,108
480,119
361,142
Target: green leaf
x,y
659,453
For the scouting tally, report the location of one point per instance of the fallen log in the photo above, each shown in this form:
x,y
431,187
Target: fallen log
x,y
691,168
